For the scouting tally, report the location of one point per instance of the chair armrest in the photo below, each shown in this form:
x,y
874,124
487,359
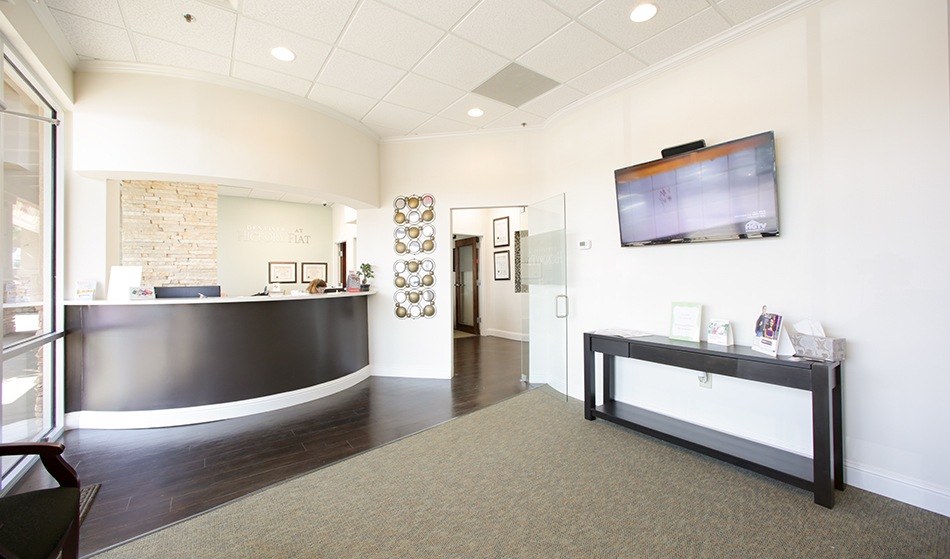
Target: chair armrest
x,y
50,454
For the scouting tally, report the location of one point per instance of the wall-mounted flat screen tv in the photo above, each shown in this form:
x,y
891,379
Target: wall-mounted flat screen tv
x,y
725,191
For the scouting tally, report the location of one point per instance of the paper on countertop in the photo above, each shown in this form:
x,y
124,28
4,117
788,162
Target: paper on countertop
x,y
622,332
809,327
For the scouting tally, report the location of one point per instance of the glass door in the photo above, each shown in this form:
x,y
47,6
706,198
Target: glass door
x,y
544,270
466,285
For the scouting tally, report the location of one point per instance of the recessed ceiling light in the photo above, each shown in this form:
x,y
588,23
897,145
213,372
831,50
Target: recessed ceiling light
x,y
283,54
475,112
643,12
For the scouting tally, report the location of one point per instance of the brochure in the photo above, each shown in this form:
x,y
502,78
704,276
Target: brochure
x,y
768,330
719,332
686,321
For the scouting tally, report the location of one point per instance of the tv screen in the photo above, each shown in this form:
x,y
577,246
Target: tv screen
x,y
726,191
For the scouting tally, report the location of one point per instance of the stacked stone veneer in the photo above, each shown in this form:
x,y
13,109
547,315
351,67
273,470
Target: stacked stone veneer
x,y
170,229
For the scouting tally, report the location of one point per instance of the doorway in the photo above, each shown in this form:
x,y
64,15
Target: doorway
x,y
342,263
465,264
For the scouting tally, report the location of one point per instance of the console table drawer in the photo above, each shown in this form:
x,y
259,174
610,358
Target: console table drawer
x,y
686,359
610,347
782,375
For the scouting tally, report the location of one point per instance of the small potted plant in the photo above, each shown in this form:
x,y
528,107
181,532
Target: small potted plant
x,y
366,273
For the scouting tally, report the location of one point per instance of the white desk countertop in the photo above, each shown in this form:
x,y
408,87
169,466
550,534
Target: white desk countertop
x,y
218,300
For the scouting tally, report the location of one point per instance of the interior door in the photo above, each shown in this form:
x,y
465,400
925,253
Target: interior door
x,y
544,270
466,285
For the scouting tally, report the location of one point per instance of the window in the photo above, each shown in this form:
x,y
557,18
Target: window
x,y
32,311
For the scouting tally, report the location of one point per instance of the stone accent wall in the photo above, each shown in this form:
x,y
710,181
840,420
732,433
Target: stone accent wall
x,y
171,230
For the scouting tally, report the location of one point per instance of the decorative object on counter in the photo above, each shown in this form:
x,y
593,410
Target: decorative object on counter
x,y
353,281
86,289
719,332
685,321
809,340
503,265
414,277
281,272
768,329
366,273
136,293
521,286
310,271
500,232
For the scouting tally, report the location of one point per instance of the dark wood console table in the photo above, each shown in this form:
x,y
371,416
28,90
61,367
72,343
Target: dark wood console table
x,y
821,474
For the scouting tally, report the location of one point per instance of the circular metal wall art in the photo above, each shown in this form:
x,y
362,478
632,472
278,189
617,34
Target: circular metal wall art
x,y
415,234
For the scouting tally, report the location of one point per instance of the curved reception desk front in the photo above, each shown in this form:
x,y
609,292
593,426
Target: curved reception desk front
x,y
163,362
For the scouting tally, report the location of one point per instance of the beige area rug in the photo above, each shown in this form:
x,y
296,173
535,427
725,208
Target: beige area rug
x,y
459,334
529,477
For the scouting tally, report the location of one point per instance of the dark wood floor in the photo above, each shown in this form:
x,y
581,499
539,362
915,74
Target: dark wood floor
x,y
153,477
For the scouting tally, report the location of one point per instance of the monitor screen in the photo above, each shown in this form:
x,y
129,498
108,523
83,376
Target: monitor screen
x,y
725,191
184,291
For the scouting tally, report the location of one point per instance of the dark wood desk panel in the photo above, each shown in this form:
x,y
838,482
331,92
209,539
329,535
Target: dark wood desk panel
x,y
136,357
821,474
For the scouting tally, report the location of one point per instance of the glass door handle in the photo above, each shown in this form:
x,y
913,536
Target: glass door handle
x,y
557,306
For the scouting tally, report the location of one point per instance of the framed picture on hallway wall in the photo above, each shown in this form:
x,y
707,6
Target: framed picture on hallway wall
x,y
500,232
281,272
503,265
310,271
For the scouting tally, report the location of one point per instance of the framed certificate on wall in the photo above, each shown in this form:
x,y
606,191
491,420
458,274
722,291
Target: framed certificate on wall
x,y
500,232
310,271
281,272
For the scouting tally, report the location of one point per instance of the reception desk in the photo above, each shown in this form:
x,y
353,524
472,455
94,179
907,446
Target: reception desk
x,y
162,362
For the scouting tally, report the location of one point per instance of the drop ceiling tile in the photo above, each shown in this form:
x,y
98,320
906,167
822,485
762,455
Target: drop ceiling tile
x,y
611,18
510,28
323,20
552,102
156,51
396,117
270,78
104,11
573,8
680,37
423,94
349,103
459,63
212,30
382,33
617,68
439,125
442,13
359,74
743,10
516,119
254,41
94,39
568,53
493,110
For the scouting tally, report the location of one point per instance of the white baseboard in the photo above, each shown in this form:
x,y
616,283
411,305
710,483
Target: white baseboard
x,y
214,412
911,491
411,373
516,336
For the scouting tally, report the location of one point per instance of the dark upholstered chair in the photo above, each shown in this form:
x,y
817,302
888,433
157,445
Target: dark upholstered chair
x,y
41,523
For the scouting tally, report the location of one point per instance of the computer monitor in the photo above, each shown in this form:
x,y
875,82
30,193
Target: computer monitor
x,y
186,291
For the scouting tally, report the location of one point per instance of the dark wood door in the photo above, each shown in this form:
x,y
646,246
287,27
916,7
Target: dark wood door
x,y
343,269
466,285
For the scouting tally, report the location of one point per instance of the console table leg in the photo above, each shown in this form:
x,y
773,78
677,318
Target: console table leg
x,y
589,386
837,429
609,363
822,435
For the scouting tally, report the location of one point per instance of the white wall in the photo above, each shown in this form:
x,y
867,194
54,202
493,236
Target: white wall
x,y
501,309
862,132
302,234
135,126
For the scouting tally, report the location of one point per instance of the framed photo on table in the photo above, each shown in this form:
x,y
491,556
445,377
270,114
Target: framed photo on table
x,y
281,272
310,271
503,265
500,232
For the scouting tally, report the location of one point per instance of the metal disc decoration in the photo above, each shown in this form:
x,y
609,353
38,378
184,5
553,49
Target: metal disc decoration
x,y
414,275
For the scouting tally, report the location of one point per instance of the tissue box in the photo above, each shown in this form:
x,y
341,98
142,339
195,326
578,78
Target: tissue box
x,y
817,347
